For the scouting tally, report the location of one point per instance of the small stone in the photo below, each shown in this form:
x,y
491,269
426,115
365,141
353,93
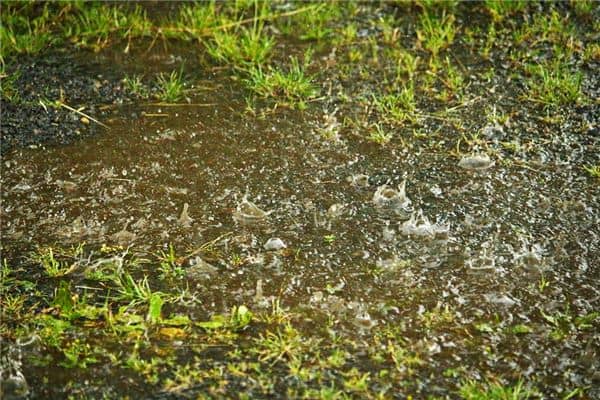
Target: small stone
x,y
85,120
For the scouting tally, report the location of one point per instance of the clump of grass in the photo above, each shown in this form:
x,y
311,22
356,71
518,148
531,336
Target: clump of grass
x,y
170,87
436,33
315,22
380,135
406,65
93,26
293,86
57,262
397,107
499,9
471,390
242,47
583,7
134,85
193,21
553,84
21,32
593,170
434,5
8,91
169,265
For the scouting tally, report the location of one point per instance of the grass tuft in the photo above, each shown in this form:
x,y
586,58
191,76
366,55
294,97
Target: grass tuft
x,y
293,86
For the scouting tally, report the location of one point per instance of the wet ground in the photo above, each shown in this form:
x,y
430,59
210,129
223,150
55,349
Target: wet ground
x,y
427,266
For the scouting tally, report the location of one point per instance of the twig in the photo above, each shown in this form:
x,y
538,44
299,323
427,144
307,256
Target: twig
x,y
61,104
208,31
207,244
181,104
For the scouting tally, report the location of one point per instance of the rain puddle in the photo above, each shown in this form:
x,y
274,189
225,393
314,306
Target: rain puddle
x,y
345,234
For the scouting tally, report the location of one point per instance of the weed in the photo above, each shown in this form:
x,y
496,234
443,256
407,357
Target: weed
x,y
543,284
389,30
314,23
593,170
239,318
348,35
78,355
406,65
564,323
93,25
329,239
499,9
437,316
356,381
170,88
170,265
471,390
554,85
283,344
546,28
134,85
592,52
194,19
132,291
53,266
404,360
295,87
379,135
8,91
397,107
453,83
582,7
243,49
12,304
6,280
20,33
434,5
436,34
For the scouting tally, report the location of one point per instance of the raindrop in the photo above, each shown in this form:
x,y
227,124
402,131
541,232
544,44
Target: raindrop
x,y
124,237
359,180
184,218
335,210
248,212
387,197
274,244
476,162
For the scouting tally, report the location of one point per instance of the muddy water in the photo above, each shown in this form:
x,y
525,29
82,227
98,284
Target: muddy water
x,y
475,240
472,236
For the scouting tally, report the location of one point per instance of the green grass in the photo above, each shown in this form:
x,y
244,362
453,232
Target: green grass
x,y
472,390
315,24
21,33
95,24
292,87
553,84
242,47
134,85
170,87
436,33
380,135
7,87
57,263
499,9
593,170
397,107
